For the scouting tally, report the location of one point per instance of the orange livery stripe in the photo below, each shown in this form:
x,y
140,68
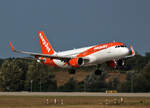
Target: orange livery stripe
x,y
98,48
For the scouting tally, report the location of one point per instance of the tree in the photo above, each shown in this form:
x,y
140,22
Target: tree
x,y
113,83
70,86
1,61
146,71
136,63
12,75
143,79
95,83
140,80
41,76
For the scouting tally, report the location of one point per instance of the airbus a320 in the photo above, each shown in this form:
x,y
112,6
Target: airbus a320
x,y
113,53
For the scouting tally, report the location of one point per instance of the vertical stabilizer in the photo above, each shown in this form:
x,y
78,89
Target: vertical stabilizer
x,y
46,47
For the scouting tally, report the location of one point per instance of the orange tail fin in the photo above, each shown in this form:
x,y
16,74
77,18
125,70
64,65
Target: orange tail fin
x,y
45,45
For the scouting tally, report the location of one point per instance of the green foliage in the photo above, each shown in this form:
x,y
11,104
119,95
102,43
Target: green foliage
x,y
125,86
95,83
146,71
12,75
71,85
113,83
42,77
143,80
16,75
1,61
136,63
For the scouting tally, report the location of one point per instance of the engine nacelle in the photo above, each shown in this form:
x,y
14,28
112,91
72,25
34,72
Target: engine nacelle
x,y
76,62
41,60
116,63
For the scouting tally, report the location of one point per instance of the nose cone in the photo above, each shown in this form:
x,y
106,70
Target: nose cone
x,y
125,51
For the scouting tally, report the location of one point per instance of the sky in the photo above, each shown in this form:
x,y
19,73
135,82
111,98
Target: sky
x,y
70,24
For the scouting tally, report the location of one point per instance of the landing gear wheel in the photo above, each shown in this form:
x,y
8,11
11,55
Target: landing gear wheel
x,y
72,71
98,72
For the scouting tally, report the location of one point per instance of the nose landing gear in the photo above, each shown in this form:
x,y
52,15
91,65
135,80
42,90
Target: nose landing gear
x,y
98,72
72,71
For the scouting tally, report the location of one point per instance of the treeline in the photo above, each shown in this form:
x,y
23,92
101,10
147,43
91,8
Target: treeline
x,y
20,74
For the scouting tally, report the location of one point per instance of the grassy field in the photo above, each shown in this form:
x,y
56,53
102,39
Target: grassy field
x,y
72,102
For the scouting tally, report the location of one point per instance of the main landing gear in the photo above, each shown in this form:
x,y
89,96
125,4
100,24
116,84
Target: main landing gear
x,y
98,71
72,71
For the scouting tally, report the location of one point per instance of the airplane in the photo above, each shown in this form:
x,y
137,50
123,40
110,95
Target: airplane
x,y
111,53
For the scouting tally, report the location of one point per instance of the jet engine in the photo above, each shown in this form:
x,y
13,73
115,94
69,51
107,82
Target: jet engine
x,y
76,62
41,60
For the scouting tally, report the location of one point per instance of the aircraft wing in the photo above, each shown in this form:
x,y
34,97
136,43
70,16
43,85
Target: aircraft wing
x,y
36,55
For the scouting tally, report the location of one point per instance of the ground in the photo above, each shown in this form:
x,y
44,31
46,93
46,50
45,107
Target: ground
x,y
72,102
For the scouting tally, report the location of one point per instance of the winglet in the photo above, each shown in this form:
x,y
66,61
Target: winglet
x,y
12,48
132,50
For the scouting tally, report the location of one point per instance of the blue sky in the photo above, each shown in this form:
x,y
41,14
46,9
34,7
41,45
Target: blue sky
x,y
73,23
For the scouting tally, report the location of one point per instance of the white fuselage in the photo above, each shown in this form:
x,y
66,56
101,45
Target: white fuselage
x,y
98,57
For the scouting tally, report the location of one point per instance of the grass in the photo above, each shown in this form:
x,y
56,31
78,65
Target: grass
x,y
71,102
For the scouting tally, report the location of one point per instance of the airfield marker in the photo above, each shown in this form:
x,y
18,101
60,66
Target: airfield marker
x,y
55,101
47,101
62,101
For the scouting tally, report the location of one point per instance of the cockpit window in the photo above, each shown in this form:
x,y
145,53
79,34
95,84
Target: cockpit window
x,y
118,46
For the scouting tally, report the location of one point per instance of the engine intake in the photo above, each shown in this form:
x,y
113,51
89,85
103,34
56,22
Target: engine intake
x,y
76,62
